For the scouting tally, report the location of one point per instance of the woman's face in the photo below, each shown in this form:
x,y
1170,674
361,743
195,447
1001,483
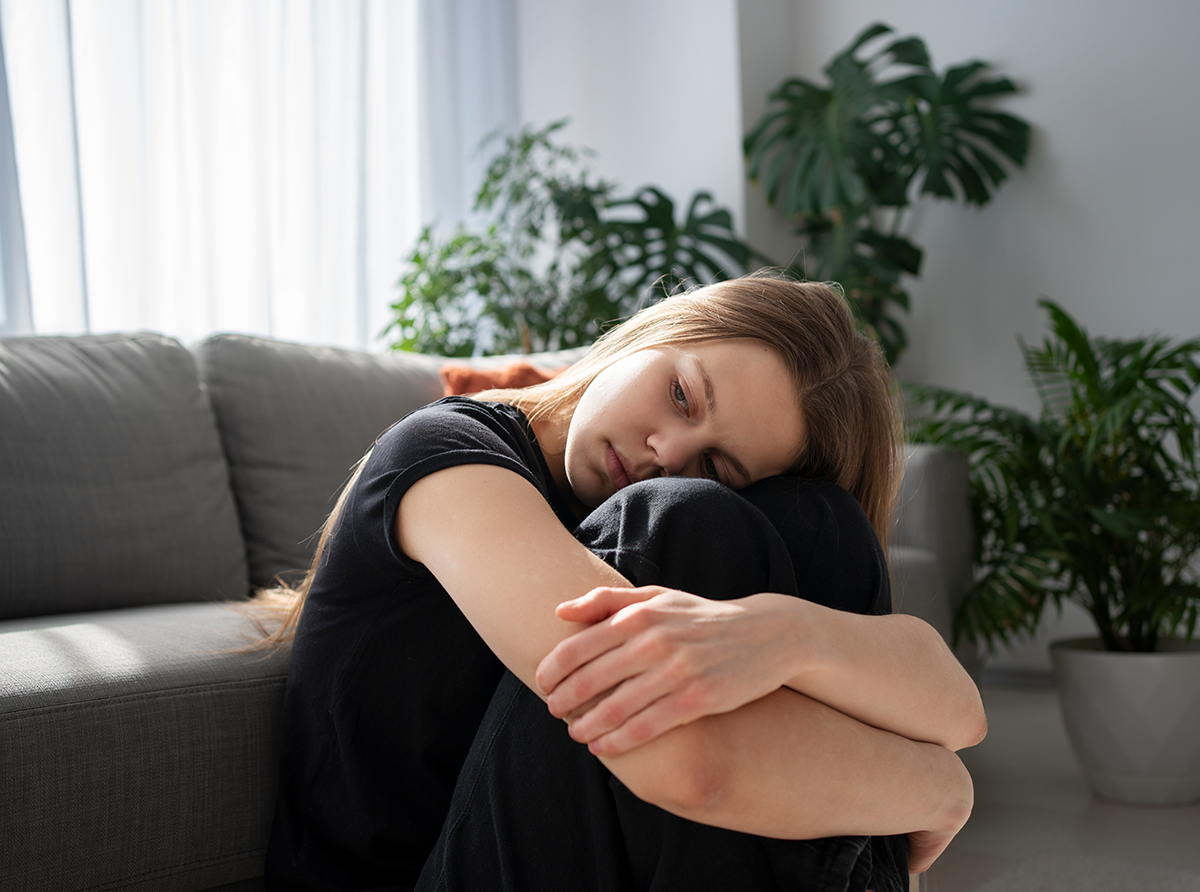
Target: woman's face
x,y
722,409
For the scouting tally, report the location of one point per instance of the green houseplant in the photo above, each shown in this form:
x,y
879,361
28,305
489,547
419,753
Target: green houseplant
x,y
847,159
558,255
1096,501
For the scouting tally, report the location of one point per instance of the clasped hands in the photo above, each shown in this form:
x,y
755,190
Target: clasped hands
x,y
654,658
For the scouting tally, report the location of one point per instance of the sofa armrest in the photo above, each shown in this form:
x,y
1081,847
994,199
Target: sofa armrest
x,y
932,547
933,511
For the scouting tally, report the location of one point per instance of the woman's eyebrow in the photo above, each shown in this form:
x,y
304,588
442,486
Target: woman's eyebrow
x,y
709,399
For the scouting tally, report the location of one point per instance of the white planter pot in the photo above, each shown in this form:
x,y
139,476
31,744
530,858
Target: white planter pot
x,y
1133,719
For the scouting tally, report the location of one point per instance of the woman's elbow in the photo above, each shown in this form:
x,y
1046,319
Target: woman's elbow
x,y
682,772
973,726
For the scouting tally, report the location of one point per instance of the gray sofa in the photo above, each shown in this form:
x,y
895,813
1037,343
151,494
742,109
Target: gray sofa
x,y
142,486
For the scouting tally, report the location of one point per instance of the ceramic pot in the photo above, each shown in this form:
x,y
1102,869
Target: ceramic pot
x,y
1133,719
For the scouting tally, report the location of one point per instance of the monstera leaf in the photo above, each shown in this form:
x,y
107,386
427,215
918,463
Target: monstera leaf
x,y
818,148
559,259
846,158
641,254
864,138
868,265
947,134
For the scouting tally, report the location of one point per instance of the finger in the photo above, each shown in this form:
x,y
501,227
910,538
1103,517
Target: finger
x,y
620,666
608,654
625,700
659,717
601,603
578,649
575,651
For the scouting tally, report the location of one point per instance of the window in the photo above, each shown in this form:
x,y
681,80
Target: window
x,y
191,166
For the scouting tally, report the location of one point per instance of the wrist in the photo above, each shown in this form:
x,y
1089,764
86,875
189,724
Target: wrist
x,y
793,622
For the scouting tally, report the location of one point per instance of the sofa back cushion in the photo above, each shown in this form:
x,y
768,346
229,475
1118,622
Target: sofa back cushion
x,y
115,489
294,420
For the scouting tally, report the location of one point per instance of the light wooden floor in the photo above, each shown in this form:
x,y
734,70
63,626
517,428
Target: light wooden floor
x,y
1031,799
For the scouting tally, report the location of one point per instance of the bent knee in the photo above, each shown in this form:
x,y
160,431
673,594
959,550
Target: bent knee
x,y
678,494
693,534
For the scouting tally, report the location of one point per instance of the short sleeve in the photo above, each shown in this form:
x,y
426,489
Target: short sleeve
x,y
450,432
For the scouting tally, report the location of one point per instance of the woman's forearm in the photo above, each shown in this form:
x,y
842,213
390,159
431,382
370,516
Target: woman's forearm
x,y
892,672
653,659
789,767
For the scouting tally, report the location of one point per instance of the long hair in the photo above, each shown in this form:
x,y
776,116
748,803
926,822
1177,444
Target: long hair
x,y
842,384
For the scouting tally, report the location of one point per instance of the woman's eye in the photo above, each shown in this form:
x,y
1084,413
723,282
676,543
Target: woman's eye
x,y
710,468
678,392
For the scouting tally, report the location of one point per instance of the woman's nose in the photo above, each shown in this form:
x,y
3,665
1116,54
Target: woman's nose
x,y
673,454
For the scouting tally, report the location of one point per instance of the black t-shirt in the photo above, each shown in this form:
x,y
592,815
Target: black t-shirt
x,y
388,681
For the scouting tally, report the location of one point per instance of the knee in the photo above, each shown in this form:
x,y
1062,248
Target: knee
x,y
688,533
669,496
682,511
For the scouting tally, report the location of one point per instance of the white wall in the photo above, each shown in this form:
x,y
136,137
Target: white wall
x,y
651,86
1103,218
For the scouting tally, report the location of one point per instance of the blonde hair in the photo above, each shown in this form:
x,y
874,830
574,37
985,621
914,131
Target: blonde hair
x,y
842,384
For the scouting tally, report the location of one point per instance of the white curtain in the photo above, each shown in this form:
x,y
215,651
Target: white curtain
x,y
15,315
470,67
191,166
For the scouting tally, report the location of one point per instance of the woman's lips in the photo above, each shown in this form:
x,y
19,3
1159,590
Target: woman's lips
x,y
616,470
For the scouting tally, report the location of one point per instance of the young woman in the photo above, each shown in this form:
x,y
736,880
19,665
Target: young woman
x,y
622,548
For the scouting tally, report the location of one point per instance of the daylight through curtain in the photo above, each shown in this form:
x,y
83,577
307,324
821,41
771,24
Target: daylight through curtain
x,y
190,166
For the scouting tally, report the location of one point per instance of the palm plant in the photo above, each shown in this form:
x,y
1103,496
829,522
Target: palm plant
x,y
560,255
847,159
1098,500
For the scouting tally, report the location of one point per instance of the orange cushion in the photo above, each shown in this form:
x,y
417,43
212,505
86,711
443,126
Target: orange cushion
x,y
463,380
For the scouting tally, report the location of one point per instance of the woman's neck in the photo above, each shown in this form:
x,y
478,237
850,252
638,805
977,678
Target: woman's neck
x,y
551,433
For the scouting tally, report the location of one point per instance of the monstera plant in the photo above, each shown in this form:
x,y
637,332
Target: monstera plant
x,y
559,255
846,160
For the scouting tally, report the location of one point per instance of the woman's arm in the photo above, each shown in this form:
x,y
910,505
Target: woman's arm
x,y
783,766
678,657
789,767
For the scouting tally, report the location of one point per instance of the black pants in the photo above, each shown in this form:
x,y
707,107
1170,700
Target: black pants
x,y
533,810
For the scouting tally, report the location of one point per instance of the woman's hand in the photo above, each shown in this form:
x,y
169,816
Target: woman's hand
x,y
654,659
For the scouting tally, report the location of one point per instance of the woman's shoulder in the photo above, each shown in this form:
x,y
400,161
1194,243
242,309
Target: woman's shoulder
x,y
458,423
464,409
455,431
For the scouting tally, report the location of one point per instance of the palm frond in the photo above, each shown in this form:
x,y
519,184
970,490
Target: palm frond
x,y
1097,500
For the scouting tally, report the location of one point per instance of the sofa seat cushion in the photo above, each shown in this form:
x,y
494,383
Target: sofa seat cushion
x,y
138,749
115,488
